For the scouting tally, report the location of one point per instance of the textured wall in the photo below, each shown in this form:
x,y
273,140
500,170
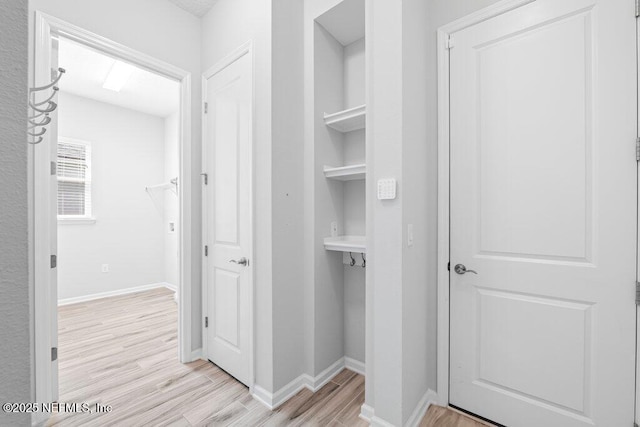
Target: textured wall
x,y
15,353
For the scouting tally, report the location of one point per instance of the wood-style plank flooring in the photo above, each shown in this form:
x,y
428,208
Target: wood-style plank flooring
x,y
122,351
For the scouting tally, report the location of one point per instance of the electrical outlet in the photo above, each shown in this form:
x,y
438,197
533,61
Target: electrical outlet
x,y
172,227
105,268
334,229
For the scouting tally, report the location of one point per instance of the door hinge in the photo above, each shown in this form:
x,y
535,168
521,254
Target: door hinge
x,y
54,261
206,108
449,44
638,146
637,14
54,168
637,293
206,178
206,322
449,266
206,250
54,354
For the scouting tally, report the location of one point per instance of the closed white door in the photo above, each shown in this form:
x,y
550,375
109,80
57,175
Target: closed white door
x,y
228,217
543,209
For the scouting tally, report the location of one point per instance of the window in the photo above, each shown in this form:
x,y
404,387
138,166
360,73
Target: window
x,y
74,180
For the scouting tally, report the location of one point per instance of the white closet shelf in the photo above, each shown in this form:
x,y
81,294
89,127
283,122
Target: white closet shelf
x,y
347,120
346,173
356,244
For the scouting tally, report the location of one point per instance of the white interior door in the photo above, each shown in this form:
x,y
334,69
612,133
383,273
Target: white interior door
x,y
228,217
543,208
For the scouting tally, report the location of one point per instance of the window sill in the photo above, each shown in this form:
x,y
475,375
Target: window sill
x,y
76,221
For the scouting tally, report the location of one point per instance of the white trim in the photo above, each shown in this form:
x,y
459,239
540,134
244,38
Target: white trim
x,y
170,286
274,400
379,422
366,413
429,398
118,292
354,365
43,226
244,49
197,355
443,182
327,375
76,220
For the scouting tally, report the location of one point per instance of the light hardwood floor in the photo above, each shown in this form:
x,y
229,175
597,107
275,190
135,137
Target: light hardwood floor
x,y
122,351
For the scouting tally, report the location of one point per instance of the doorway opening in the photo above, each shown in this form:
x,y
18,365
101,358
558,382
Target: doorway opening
x,y
112,201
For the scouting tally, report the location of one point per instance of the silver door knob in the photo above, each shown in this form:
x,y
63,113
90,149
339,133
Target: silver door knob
x,y
461,269
241,261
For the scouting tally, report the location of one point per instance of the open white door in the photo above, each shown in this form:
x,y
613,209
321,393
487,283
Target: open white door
x,y
227,217
543,209
45,232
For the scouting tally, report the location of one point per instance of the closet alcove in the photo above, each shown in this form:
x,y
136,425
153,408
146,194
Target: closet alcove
x,y
338,184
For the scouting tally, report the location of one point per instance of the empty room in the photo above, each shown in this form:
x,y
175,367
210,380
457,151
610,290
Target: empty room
x,y
319,213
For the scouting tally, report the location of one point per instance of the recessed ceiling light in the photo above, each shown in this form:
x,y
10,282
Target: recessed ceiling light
x,y
118,76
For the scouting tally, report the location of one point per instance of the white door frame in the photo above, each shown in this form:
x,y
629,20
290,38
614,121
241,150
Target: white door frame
x,y
47,27
443,302
244,49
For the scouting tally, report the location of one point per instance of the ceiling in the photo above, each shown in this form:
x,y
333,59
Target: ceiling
x,y
345,21
196,7
87,69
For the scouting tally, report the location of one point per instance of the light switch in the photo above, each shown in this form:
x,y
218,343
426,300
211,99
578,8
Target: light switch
x,y
387,189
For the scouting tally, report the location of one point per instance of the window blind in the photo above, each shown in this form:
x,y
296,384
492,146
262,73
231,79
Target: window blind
x,y
74,179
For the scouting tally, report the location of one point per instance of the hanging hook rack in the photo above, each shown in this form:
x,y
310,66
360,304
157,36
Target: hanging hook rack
x,y
39,111
353,261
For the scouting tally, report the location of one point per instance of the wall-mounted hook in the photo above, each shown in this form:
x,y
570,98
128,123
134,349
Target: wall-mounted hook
x,y
42,132
37,104
364,261
43,122
52,106
61,71
353,261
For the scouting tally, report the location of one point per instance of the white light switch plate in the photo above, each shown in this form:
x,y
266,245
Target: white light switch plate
x,y
386,189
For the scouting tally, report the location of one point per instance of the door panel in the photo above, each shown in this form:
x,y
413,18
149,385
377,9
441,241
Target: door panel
x,y
543,207
228,218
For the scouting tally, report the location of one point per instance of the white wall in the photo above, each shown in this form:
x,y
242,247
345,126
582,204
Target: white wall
x,y
403,133
287,116
163,31
171,212
127,149
16,350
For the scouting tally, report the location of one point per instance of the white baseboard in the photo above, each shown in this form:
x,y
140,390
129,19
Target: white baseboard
x,y
170,286
429,398
196,355
274,400
325,376
379,422
366,413
84,298
263,396
354,365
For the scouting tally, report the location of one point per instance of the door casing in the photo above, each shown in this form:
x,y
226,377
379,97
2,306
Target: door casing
x,y
241,51
43,222
443,301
